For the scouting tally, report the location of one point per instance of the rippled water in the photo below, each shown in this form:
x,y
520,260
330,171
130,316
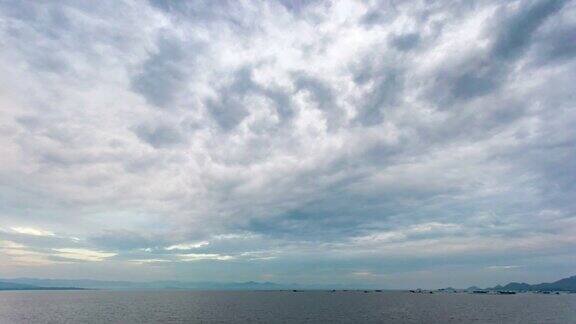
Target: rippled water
x,y
280,307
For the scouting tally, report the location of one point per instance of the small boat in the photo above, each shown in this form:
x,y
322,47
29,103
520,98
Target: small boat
x,y
505,292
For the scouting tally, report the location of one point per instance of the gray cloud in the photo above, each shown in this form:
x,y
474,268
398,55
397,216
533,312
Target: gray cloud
x,y
229,110
405,42
514,36
386,93
160,135
122,240
295,141
231,107
161,77
324,95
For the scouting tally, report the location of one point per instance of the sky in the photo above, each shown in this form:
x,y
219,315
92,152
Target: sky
x,y
388,143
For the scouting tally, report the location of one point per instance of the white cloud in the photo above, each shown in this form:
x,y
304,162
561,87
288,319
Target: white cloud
x,y
502,267
83,254
150,261
187,246
31,231
191,257
16,254
10,245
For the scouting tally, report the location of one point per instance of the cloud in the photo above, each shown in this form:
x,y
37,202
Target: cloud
x,y
405,42
83,254
20,255
122,240
31,231
304,140
515,35
503,267
191,257
159,136
10,245
187,246
150,261
229,110
162,75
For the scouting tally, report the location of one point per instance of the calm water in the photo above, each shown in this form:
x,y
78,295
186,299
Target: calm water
x,y
280,307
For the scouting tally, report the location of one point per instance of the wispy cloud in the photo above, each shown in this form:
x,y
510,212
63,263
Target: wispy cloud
x,y
503,267
83,254
31,231
190,257
187,246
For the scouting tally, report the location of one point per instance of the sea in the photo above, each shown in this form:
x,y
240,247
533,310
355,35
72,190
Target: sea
x,y
281,307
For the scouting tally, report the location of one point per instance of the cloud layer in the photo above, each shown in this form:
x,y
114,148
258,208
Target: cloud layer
x,y
294,141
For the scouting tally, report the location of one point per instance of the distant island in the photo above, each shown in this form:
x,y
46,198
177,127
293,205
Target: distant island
x,y
18,286
566,284
58,284
176,285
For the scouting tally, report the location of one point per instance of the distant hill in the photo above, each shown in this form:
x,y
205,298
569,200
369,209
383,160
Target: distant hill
x,y
122,285
566,284
21,286
15,286
472,288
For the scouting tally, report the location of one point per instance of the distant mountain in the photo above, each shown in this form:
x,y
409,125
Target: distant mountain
x,y
516,286
122,285
20,286
566,284
15,286
473,288
562,284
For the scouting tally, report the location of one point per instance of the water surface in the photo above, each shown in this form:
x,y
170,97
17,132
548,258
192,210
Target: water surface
x,y
280,307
